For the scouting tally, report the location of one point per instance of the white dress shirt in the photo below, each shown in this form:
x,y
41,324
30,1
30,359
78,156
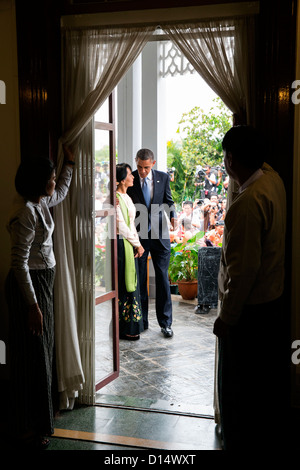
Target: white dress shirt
x,y
149,182
252,260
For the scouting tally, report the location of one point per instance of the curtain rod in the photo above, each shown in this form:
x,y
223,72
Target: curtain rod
x,y
161,15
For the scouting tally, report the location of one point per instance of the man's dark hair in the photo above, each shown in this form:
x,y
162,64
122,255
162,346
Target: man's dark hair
x,y
246,146
33,176
145,154
188,203
121,171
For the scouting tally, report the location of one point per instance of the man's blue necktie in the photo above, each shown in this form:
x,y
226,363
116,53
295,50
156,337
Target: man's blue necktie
x,y
146,192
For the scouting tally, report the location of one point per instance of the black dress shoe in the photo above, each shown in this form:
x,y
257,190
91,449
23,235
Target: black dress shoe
x,y
202,309
167,332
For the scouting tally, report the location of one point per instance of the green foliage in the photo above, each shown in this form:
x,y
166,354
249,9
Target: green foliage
x,y
201,144
184,260
183,183
204,133
102,155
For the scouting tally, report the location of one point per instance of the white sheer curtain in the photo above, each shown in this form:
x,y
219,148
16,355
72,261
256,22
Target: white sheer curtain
x,y
222,52
93,62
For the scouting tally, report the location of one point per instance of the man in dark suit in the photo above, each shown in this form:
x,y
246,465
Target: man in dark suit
x,y
152,197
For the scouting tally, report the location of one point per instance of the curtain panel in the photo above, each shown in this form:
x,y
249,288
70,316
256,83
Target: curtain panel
x,y
222,52
93,62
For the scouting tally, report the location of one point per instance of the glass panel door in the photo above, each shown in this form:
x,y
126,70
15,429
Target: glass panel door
x,y
105,261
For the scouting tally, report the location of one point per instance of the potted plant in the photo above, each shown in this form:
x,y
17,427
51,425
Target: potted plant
x,y
183,268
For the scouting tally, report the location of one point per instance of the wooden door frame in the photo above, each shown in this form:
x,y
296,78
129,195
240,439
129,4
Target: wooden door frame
x,y
113,294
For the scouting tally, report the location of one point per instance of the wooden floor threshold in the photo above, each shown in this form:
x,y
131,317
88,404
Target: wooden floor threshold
x,y
119,440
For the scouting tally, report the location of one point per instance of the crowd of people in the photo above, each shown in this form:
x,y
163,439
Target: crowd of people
x,y
205,216
205,213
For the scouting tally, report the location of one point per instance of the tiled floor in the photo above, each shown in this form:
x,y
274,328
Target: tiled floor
x,y
163,399
97,428
174,374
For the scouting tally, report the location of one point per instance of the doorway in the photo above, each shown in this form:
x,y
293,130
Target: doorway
x,y
176,375
115,67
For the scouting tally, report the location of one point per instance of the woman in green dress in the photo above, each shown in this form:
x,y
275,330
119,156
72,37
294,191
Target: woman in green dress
x,y
129,249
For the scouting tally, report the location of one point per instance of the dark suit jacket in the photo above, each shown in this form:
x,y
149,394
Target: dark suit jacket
x,y
162,200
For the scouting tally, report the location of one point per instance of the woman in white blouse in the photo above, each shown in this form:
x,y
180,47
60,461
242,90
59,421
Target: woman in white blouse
x,y
129,249
29,294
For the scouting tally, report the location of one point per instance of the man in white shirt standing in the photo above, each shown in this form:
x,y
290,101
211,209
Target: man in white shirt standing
x,y
251,367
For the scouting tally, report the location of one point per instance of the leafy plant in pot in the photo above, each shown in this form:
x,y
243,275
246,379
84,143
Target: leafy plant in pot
x,y
183,268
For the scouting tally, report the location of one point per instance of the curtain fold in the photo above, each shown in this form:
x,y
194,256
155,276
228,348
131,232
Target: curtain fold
x,y
93,62
222,52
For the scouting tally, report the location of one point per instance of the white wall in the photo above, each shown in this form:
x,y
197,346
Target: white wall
x,y
153,105
141,110
129,114
9,143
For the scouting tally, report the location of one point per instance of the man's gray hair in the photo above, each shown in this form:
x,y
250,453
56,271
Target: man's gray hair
x,y
145,154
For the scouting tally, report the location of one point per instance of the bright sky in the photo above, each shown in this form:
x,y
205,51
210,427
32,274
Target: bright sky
x,y
184,92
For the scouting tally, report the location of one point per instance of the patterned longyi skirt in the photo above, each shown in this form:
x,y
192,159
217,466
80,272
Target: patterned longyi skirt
x,y
30,357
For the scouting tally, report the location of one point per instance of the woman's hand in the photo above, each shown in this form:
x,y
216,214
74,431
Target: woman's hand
x,y
69,155
35,320
139,251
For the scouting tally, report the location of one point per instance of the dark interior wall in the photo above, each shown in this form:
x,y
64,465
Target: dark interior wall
x,y
276,72
92,6
38,42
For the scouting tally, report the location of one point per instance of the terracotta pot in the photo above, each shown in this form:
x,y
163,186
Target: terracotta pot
x,y
188,289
